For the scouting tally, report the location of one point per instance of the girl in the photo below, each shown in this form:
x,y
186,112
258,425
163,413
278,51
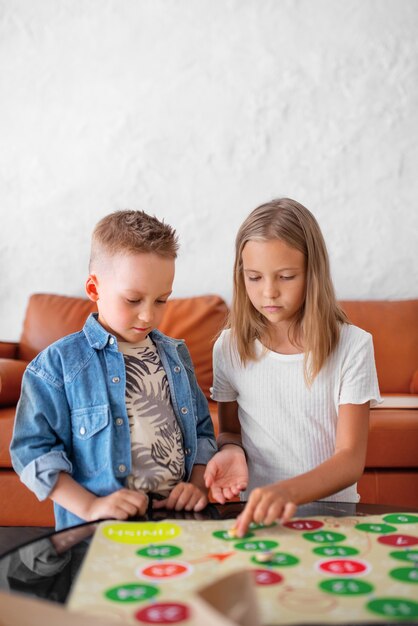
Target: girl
x,y
292,377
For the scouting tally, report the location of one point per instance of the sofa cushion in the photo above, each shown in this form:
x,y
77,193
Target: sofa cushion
x,y
8,349
7,420
390,487
11,372
50,317
393,439
20,506
198,320
414,383
394,327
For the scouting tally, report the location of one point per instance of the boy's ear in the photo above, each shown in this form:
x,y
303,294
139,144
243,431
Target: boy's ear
x,y
91,288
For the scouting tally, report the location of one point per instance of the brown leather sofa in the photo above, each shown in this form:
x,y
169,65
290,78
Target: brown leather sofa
x,y
391,474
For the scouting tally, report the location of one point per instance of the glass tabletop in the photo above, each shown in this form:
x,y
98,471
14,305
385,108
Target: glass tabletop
x,y
47,566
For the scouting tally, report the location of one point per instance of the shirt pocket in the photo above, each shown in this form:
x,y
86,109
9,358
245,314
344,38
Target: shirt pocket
x,y
91,439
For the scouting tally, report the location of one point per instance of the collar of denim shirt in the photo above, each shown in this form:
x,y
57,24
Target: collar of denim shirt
x,y
98,337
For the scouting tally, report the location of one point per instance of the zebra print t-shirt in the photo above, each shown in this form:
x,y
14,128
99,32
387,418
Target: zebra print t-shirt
x,y
156,439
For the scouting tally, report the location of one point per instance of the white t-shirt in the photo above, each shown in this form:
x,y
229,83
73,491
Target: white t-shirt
x,y
288,429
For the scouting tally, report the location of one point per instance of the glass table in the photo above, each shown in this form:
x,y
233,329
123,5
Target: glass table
x,y
46,567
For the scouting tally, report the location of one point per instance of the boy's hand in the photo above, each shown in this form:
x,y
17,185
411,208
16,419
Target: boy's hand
x,y
227,473
184,496
266,505
118,505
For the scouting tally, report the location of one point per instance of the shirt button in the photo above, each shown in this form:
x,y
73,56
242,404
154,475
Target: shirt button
x,y
111,341
118,421
184,410
122,468
82,431
115,379
177,369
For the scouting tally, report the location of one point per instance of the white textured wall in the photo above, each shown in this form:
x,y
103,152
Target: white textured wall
x,y
198,111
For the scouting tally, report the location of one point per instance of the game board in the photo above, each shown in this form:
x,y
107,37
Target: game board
x,y
320,570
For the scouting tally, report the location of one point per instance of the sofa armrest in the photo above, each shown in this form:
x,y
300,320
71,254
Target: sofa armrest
x,y
398,401
8,349
11,372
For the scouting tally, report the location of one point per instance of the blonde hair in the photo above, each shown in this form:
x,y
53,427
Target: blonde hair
x,y
319,319
132,232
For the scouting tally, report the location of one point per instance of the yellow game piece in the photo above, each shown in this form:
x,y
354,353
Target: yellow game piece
x,y
232,532
264,557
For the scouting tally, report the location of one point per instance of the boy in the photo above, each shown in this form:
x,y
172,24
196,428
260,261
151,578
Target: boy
x,y
114,411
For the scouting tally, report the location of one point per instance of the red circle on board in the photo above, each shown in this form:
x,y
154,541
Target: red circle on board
x,y
343,567
398,540
163,571
266,577
304,524
163,613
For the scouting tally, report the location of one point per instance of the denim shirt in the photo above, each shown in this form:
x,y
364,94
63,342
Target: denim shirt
x,y
71,416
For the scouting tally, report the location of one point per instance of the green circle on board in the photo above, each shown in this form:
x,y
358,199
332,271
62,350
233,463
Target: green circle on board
x,y
324,536
408,555
223,534
400,518
346,586
405,574
336,551
381,529
279,559
159,551
393,607
258,545
131,592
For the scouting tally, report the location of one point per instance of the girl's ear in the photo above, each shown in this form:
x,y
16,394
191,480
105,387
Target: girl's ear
x,y
92,288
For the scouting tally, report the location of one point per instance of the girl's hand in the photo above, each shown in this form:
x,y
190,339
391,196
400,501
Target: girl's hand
x,y
265,506
118,505
185,496
227,473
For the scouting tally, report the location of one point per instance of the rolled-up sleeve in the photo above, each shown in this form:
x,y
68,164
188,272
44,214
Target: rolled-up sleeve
x,y
41,474
206,448
42,433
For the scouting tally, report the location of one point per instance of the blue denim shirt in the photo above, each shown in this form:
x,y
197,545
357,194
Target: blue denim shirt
x,y
71,416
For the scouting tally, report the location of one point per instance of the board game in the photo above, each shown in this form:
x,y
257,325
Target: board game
x,y
310,570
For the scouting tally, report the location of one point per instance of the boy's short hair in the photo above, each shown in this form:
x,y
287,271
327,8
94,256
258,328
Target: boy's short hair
x,y
130,232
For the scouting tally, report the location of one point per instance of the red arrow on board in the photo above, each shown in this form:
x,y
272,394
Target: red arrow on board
x,y
217,557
